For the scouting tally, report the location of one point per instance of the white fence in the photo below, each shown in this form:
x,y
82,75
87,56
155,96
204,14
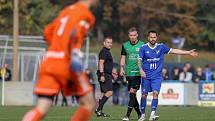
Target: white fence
x,y
31,51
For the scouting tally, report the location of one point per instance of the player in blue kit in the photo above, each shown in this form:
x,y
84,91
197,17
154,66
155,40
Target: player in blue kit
x,y
150,62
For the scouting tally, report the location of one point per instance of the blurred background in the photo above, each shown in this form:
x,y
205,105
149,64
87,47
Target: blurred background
x,y
184,24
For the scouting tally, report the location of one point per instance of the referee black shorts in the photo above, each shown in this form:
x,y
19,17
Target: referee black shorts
x,y
107,84
133,82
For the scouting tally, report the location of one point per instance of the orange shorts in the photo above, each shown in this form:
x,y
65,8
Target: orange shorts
x,y
55,76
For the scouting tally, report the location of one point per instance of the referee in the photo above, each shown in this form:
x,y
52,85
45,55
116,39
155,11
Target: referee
x,y
104,73
129,68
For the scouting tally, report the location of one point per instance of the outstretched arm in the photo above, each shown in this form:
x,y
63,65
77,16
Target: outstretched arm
x,y
184,52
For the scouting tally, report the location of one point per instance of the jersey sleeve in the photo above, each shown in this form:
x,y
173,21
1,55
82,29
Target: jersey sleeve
x,y
123,51
102,55
78,34
141,53
48,32
80,31
166,49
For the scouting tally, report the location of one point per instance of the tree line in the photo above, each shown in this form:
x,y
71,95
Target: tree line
x,y
191,19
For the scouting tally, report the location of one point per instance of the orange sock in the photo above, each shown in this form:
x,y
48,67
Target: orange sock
x,y
33,115
82,114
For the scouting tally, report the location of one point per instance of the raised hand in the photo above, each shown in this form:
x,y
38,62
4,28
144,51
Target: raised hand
x,y
193,52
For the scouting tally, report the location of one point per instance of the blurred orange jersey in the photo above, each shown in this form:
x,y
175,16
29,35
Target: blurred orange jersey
x,y
66,32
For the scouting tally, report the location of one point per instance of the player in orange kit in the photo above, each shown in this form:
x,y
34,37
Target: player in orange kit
x,y
61,68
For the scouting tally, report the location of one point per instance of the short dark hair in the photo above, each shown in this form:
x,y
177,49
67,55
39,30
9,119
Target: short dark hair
x,y
107,37
132,29
152,31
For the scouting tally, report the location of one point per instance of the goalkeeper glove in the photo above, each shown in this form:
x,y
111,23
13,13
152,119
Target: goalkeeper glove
x,y
76,63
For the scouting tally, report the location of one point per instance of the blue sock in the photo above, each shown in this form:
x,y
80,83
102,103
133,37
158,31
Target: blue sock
x,y
154,104
143,105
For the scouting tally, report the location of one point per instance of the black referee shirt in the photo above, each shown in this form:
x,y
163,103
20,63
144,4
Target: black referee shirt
x,y
105,55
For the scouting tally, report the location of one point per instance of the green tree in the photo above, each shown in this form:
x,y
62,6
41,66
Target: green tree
x,y
33,16
169,17
107,19
206,17
6,16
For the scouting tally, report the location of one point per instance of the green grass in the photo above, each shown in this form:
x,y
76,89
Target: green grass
x,y
11,113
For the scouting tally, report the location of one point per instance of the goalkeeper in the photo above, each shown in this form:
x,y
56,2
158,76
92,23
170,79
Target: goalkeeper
x,y
61,68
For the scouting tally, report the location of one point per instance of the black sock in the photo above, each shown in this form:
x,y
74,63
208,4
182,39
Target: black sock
x,y
102,102
131,104
136,107
129,110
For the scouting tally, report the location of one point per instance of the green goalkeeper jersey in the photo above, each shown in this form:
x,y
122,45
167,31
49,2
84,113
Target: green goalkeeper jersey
x,y
131,52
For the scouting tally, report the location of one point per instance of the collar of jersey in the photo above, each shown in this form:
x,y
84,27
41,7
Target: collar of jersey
x,y
106,48
135,43
152,47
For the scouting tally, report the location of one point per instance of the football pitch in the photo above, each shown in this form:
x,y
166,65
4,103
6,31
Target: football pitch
x,y
168,113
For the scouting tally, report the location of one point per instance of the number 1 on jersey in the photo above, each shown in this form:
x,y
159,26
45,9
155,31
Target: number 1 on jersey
x,y
63,22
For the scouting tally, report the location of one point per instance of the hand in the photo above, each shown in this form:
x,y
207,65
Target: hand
x,y
142,73
76,63
193,53
122,72
102,79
